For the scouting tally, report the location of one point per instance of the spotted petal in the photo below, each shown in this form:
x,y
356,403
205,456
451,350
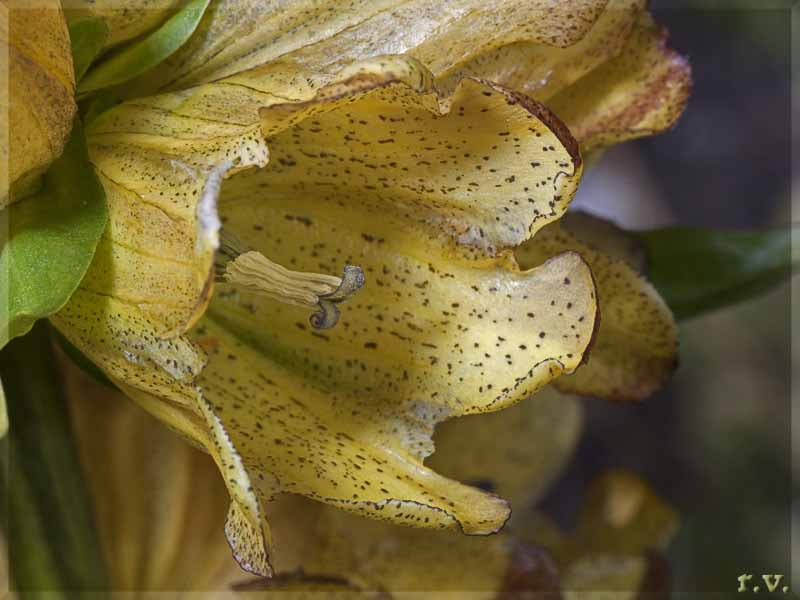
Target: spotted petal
x,y
162,171
641,92
541,69
636,347
618,82
237,36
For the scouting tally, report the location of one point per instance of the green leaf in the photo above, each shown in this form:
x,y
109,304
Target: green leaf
x,y
52,237
87,35
141,56
54,550
698,270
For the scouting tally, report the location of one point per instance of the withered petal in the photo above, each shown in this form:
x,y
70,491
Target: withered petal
x,y
540,69
238,36
641,92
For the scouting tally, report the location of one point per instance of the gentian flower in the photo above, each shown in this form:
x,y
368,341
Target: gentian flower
x,y
332,227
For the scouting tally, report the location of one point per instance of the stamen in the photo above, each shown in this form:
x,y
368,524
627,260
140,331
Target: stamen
x,y
254,272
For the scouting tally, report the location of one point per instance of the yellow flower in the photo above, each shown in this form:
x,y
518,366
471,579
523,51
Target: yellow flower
x,y
283,145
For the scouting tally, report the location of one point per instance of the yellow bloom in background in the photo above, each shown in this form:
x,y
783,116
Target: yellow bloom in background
x,y
430,147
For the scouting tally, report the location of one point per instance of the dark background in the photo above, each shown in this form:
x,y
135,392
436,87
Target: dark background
x,y
717,442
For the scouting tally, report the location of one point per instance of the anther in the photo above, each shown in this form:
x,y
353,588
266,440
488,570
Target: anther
x,y
254,272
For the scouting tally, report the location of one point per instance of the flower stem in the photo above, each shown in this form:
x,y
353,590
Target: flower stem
x,y
52,543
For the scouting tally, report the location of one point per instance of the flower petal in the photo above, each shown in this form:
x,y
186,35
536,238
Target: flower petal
x,y
484,173
315,442
37,101
162,173
635,351
641,92
117,336
608,237
239,35
159,374
345,416
542,69
142,476
619,82
517,452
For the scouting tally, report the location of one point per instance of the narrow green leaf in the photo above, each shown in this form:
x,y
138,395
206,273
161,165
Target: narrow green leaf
x,y
141,56
51,239
54,550
87,35
698,270
38,566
